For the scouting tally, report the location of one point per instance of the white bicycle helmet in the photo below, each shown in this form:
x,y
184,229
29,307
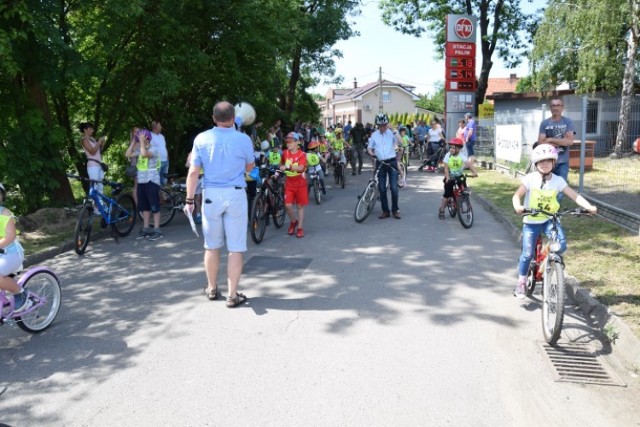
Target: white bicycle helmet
x,y
544,152
382,119
264,145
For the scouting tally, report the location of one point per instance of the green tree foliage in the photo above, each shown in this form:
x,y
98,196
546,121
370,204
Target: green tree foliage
x,y
123,63
314,27
433,102
503,27
525,84
591,44
567,50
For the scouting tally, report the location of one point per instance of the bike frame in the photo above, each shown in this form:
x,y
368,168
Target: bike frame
x,y
543,252
37,300
98,199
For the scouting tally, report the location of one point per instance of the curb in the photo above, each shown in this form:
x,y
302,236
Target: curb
x,y
597,314
39,257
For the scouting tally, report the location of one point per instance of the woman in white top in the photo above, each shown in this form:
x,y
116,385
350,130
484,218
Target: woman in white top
x,y
436,139
93,150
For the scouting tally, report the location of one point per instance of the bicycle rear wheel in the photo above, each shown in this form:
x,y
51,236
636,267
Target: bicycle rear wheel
x,y
552,301
83,229
366,202
258,222
43,286
531,278
124,213
465,211
316,191
167,208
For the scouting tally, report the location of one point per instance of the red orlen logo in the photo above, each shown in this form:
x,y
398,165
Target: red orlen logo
x,y
463,28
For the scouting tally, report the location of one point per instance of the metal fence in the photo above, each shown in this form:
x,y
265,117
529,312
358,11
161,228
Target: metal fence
x,y
612,181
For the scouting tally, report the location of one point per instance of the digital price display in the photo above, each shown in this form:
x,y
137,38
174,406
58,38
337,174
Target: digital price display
x,y
461,63
461,75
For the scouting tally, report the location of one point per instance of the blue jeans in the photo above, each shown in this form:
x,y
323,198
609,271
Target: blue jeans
x,y
383,172
530,233
164,169
561,169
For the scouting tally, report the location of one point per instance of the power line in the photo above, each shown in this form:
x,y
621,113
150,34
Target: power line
x,y
401,80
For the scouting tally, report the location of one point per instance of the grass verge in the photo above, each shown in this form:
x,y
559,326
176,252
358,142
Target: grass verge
x,y
601,255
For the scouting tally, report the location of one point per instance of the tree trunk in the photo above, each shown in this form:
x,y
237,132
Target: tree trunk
x,y
627,90
293,80
483,80
38,98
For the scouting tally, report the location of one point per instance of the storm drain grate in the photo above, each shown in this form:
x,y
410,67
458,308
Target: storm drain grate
x,y
580,363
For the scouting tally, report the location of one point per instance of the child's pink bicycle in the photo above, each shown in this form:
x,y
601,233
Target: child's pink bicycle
x,y
42,288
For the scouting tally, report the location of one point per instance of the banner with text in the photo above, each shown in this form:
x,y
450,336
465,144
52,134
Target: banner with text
x,y
509,142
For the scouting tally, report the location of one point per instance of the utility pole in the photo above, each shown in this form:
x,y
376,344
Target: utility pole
x,y
380,107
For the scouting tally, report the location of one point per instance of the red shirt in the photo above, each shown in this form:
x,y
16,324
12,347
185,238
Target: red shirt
x,y
299,158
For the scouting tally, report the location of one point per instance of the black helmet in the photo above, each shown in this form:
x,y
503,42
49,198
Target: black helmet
x,y
382,119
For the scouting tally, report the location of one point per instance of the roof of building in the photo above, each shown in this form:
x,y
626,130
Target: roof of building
x,y
502,85
357,92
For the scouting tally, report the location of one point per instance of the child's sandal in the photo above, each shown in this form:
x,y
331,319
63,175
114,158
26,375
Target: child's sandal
x,y
441,213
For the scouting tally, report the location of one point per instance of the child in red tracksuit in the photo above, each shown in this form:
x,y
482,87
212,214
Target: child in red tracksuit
x,y
294,163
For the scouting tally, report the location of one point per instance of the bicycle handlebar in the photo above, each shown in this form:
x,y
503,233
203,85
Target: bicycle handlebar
x,y
575,211
112,184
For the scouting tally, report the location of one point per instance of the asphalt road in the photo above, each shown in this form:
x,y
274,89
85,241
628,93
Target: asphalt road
x,y
391,322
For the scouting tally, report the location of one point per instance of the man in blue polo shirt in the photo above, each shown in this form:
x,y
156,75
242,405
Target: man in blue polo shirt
x,y
225,155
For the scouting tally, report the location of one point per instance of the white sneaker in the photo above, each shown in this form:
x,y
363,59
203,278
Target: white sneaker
x,y
519,291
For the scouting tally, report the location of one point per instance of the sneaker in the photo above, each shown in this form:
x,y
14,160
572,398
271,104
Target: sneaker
x,y
155,234
21,303
324,192
292,227
519,291
300,233
143,233
198,219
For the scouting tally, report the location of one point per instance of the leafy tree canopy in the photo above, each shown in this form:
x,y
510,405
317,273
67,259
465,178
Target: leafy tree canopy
x,y
504,27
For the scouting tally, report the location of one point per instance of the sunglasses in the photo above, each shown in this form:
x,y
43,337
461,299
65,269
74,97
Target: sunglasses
x,y
556,105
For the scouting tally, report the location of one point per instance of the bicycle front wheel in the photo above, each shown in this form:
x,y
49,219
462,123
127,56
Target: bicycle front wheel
x,y
451,206
336,173
42,288
465,211
83,229
553,301
402,176
258,222
343,174
124,215
366,202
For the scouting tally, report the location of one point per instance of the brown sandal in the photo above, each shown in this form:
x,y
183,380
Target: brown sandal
x,y
234,302
212,294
